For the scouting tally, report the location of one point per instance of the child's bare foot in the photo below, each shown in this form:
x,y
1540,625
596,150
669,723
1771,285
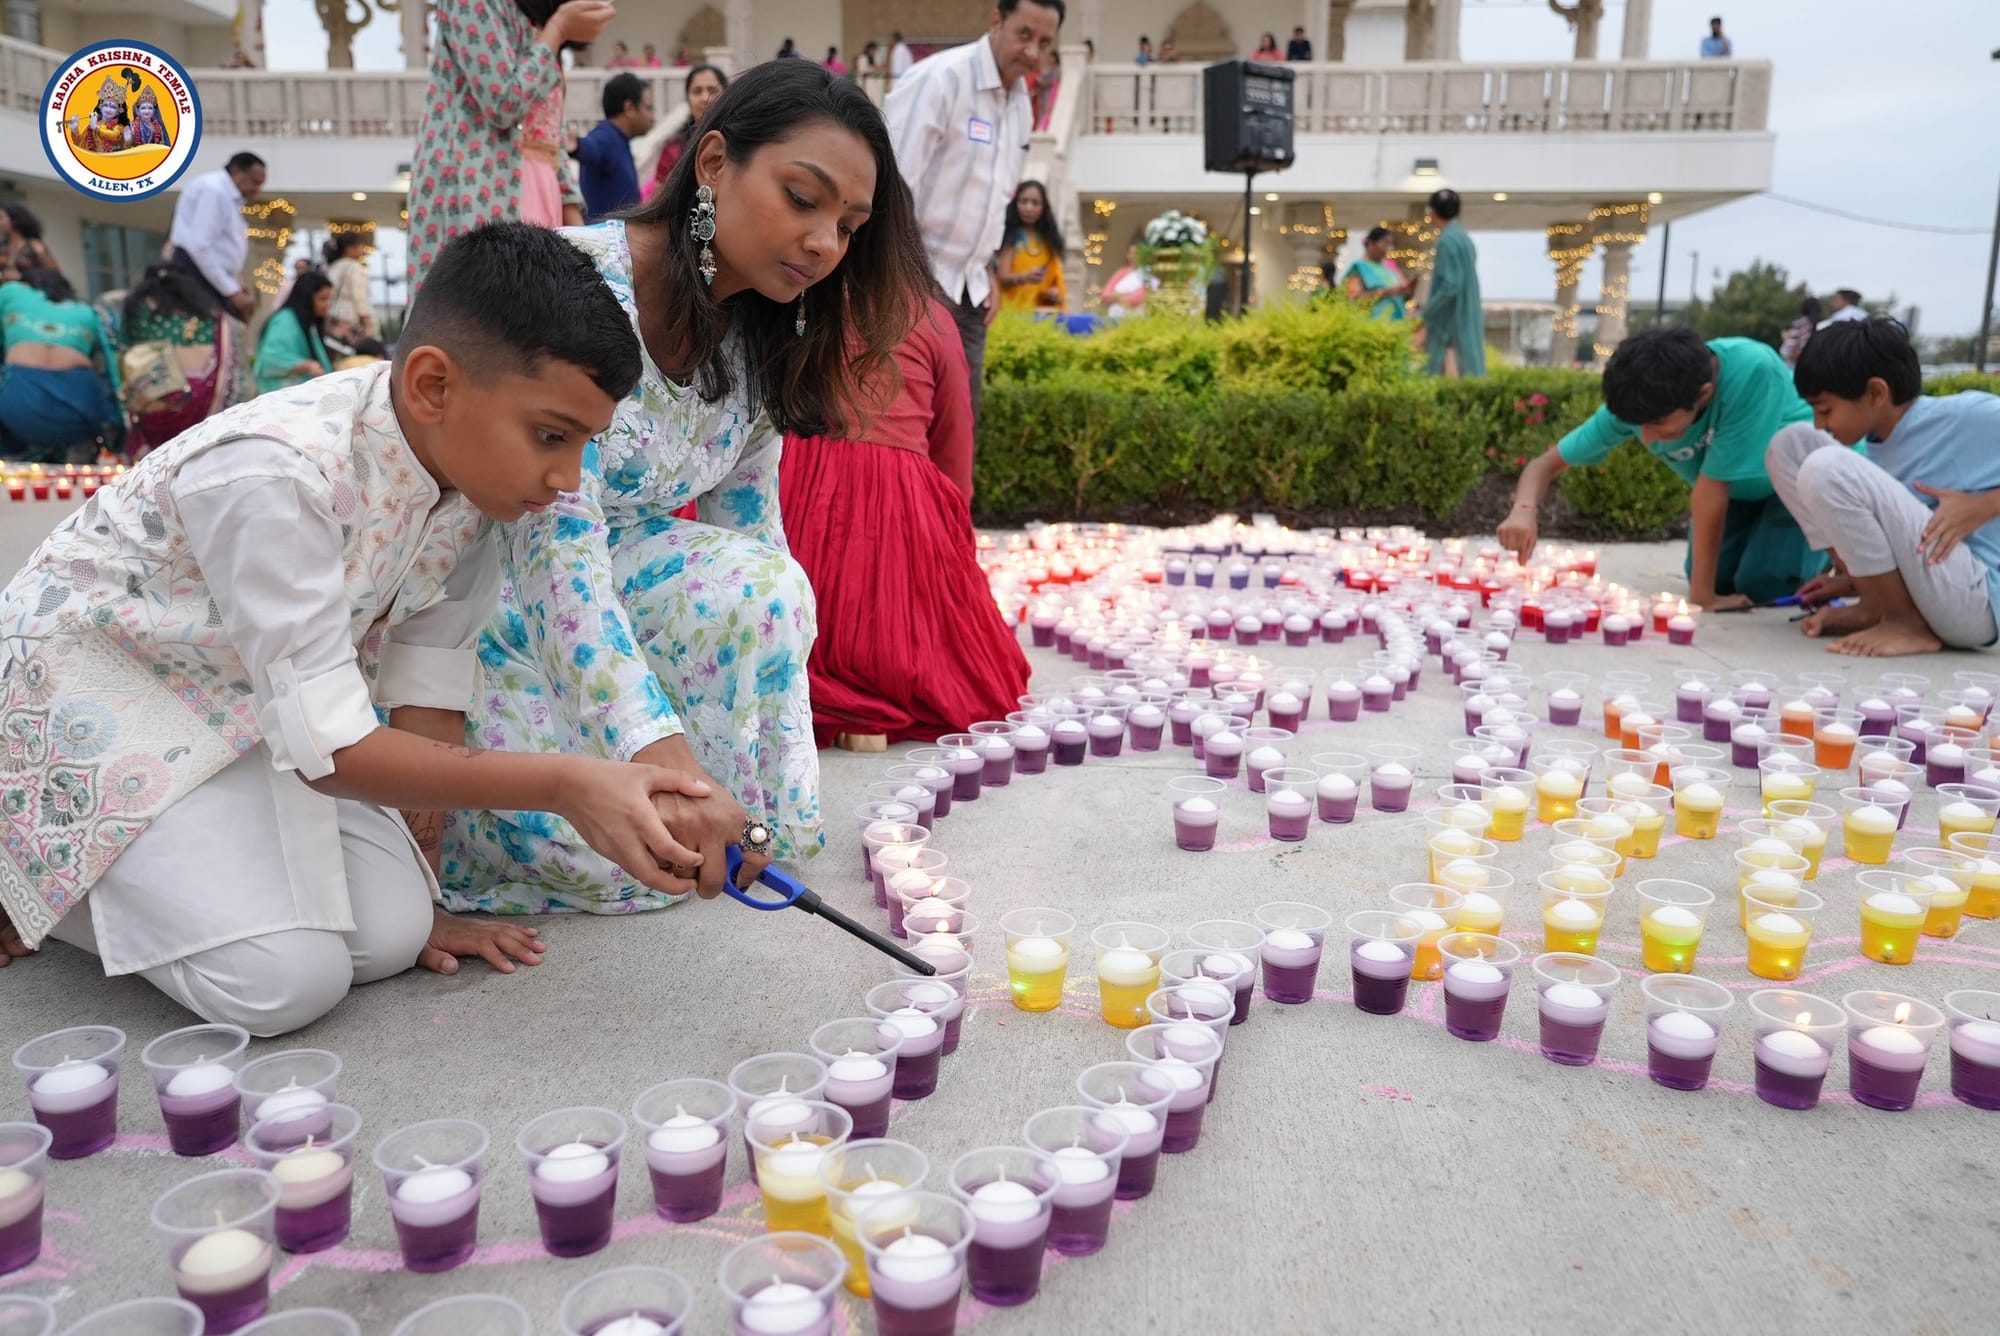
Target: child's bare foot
x,y
1840,621
12,947
1888,638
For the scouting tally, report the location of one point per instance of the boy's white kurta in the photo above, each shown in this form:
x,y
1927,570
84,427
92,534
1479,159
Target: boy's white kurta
x,y
271,576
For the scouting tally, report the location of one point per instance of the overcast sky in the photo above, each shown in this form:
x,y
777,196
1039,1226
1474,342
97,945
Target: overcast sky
x,y
1868,103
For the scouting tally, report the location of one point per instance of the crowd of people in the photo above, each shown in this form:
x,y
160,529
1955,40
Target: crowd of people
x,y
552,608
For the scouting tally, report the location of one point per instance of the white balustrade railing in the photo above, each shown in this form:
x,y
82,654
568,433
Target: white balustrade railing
x,y
1567,97
320,104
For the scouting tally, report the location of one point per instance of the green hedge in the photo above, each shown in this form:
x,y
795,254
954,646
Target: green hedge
x,y
1315,413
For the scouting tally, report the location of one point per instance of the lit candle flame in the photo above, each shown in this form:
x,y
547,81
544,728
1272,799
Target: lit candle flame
x,y
1805,1018
1902,1013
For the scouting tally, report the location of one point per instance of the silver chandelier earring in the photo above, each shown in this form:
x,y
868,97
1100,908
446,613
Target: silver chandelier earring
x,y
701,226
799,325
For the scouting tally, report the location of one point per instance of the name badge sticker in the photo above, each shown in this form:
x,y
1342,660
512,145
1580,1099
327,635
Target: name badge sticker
x,y
979,131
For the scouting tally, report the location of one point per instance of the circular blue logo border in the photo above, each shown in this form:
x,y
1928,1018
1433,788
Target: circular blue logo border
x,y
48,96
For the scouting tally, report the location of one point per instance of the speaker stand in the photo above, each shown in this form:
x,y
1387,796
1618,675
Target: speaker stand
x,y
1243,293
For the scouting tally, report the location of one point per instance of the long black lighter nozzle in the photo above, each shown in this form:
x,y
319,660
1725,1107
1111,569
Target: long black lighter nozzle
x,y
812,904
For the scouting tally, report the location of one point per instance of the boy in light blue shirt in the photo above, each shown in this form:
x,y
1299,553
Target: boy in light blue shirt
x,y
1913,528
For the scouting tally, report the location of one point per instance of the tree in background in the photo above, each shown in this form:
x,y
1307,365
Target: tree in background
x,y
1754,303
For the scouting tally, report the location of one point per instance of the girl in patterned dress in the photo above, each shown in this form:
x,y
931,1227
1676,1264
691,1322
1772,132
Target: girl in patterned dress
x,y
770,278
491,65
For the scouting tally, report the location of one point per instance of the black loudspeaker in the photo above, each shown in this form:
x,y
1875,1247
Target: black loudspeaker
x,y
1247,108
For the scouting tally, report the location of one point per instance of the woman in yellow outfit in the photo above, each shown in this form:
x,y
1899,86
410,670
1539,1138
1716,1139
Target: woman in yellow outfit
x,y
1031,276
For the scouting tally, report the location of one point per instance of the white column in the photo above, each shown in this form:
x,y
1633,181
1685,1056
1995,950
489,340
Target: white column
x,y
1638,30
416,33
739,22
1315,20
1444,30
1614,290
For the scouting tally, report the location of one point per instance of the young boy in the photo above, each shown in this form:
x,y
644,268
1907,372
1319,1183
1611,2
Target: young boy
x,y
1914,528
193,782
1707,411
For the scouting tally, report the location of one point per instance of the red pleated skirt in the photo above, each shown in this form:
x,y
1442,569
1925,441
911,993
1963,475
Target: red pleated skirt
x,y
910,643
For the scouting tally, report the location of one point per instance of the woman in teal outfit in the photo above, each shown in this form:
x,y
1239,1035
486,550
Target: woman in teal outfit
x,y
770,277
1374,280
59,392
291,350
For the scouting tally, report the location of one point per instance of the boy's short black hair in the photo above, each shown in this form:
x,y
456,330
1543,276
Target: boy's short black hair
x,y
1445,204
1655,372
1848,295
620,89
1841,359
244,162
506,297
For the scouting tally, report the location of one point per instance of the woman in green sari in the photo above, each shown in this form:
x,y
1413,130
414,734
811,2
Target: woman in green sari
x,y
1374,280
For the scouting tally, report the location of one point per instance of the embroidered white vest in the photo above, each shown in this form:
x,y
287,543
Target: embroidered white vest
x,y
120,693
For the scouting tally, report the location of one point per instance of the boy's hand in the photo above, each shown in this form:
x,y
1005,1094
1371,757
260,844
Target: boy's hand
x,y
498,944
1714,602
1521,530
611,805
1957,516
1825,588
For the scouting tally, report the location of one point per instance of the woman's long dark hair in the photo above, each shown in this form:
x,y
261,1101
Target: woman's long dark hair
x,y
826,382
299,301
1045,227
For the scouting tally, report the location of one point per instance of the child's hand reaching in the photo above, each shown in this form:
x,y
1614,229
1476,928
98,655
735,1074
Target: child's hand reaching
x,y
498,944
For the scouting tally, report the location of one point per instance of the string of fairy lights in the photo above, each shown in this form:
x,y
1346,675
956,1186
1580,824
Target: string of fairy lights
x,y
272,221
1622,226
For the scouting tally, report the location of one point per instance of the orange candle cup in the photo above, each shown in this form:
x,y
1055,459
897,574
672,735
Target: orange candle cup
x,y
1435,909
1620,689
1983,901
1835,733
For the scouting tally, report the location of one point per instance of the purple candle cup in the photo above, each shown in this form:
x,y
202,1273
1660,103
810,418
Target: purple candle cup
x,y
315,1179
1133,1099
1196,802
783,1282
601,1303
1382,954
24,1151
916,1245
1796,1035
1186,1066
194,1077
1888,1045
1087,1149
684,1127
1974,1018
1683,1028
218,1232
1337,793
997,753
968,767
1392,771
769,1081
1478,974
1229,951
72,1081
1010,1192
860,1057
915,1009
1294,937
1573,996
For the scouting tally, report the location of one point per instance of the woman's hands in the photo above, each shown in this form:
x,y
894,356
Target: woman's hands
x,y
616,807
709,821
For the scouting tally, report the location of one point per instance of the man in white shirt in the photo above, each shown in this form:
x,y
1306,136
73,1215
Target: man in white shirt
x,y
960,122
1846,306
210,239
900,57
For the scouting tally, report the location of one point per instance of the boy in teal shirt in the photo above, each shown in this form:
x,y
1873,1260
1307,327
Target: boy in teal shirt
x,y
1707,411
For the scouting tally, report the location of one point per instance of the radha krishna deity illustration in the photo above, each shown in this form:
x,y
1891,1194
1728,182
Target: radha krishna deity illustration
x,y
115,126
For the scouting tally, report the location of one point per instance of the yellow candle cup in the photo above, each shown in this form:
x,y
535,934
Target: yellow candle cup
x,y
1983,899
1779,933
1672,915
1893,909
1572,919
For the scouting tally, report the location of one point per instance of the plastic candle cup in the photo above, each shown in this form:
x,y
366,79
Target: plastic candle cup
x,y
1199,1002
922,901
637,1301
789,1151
1946,755
1782,777
860,1057
1037,956
1338,792
1478,973
137,1317
950,953
860,1176
1947,875
1128,968
1565,698
996,752
1881,757
1382,955
1180,1058
1435,910
1573,907
1146,721
194,1077
916,1246
684,1128
1974,1018
917,1010
1620,688
1559,782
571,1159
1294,937
432,1172
962,756
1683,1028
888,847
291,1088
1484,890
1509,793
1264,750
1835,733
1966,809
1573,995
315,1179
1289,793
72,1081
218,1232
1893,909
1450,845
487,1314
1231,951
1888,1045
1768,868
1391,773
1634,719
1779,929
1468,760
781,1285
1087,1150
1807,826
1672,915
1010,1192
1105,727
1223,746
1796,1035
891,816
21,1315
1646,810
771,1082
1131,1099
23,1169
1343,696
1868,823
1196,801
1030,741
1983,901
1698,802
1291,701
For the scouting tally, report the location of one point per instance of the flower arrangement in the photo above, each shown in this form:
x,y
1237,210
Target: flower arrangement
x,y
1177,247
